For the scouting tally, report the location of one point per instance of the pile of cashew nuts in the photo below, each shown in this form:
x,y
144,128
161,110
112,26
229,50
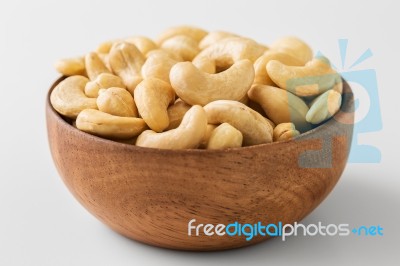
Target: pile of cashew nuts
x,y
196,89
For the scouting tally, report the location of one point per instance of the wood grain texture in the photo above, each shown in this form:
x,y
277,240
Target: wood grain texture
x,y
150,195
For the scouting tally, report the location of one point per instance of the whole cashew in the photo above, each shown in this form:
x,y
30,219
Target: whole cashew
x,y
158,65
230,50
281,106
182,45
225,136
71,66
143,43
127,61
314,78
261,75
103,81
192,32
188,135
109,126
118,102
285,131
152,97
253,126
295,47
324,107
69,99
176,113
214,37
94,66
196,87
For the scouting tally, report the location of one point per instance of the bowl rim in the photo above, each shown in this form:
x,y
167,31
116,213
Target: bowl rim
x,y
345,107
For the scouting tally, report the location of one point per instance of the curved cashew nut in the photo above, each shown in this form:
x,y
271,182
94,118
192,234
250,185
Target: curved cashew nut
x,y
214,37
253,126
109,126
261,75
103,81
324,107
182,45
206,65
69,99
281,106
230,50
285,131
295,47
127,61
196,87
190,31
158,65
314,78
152,97
94,66
143,43
225,136
118,102
71,66
188,135
176,113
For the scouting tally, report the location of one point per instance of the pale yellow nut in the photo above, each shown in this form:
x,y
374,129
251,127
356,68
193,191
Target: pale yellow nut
x,y
204,141
193,32
324,107
143,43
182,45
230,50
196,87
281,106
118,102
253,126
109,126
176,112
214,37
158,65
313,79
285,131
152,97
105,47
188,135
71,66
68,97
103,81
225,136
261,75
161,52
206,65
295,47
94,66
104,59
126,61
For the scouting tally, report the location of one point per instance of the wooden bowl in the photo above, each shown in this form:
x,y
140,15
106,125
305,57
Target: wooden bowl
x,y
150,195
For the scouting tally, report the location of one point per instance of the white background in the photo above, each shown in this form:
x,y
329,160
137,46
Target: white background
x,y
42,224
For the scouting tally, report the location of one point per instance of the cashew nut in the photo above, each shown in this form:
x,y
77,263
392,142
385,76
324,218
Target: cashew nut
x,y
103,81
158,65
176,113
314,78
196,87
143,43
225,136
295,47
71,66
253,126
118,102
69,99
152,97
206,65
188,135
190,31
161,52
281,106
214,37
324,107
182,45
94,66
127,61
204,141
109,126
285,131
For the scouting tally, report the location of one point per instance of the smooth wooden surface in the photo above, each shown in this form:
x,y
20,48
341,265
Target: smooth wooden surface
x,y
150,195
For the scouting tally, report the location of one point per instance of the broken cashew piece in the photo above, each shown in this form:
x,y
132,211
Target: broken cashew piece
x,y
152,97
324,107
225,136
295,47
94,66
193,32
285,131
188,135
109,126
196,87
253,126
182,45
118,102
103,81
69,99
71,66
